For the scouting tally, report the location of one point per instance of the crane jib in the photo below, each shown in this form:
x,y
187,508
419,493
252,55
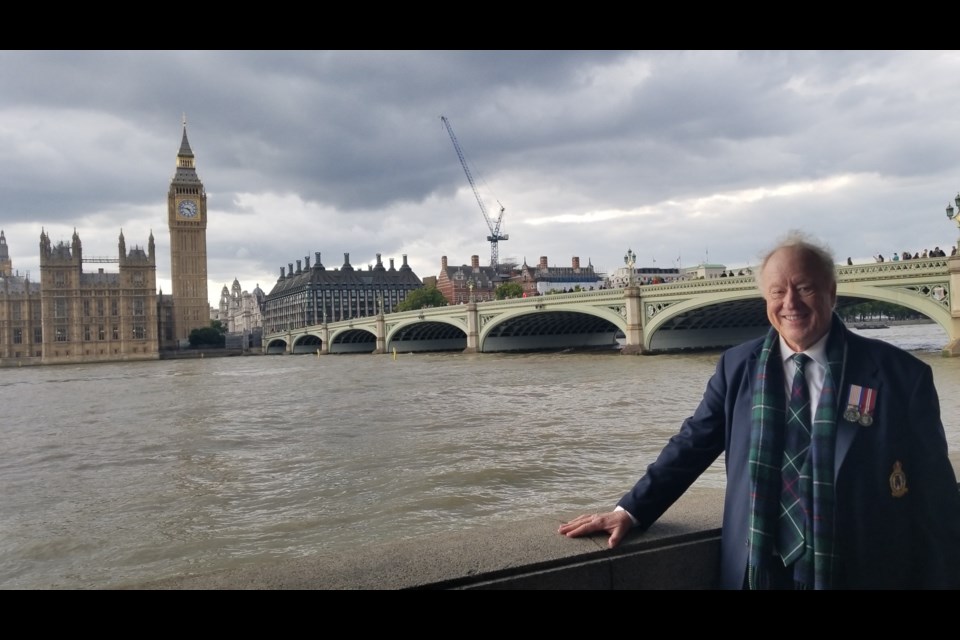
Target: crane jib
x,y
495,236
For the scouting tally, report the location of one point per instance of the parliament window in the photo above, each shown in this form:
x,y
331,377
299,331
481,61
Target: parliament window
x,y
18,336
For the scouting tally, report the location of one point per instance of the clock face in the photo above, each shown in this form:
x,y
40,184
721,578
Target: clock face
x,y
187,208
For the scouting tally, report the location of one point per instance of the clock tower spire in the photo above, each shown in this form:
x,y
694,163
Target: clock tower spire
x,y
187,218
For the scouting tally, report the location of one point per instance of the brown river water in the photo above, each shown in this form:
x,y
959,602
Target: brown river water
x,y
113,474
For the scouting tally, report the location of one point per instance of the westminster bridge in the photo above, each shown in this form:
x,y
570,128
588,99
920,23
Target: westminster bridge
x,y
691,314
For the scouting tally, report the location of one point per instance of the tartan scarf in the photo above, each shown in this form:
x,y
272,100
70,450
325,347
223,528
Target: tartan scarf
x,y
815,568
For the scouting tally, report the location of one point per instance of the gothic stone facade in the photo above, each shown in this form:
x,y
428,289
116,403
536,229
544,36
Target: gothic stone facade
x,y
91,317
21,333
241,313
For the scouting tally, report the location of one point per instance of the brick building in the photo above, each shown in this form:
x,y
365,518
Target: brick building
x,y
455,282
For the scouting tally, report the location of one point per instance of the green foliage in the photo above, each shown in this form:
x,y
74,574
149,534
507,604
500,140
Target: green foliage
x,y
877,310
212,336
421,299
509,290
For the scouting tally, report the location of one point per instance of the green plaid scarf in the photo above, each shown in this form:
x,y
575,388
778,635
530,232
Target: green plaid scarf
x,y
815,567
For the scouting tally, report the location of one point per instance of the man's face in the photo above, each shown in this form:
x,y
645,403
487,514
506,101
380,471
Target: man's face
x,y
800,297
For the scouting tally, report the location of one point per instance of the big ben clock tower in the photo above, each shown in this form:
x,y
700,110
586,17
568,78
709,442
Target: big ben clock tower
x,y
187,216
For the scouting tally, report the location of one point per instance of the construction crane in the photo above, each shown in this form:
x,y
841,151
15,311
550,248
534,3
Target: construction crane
x,y
495,236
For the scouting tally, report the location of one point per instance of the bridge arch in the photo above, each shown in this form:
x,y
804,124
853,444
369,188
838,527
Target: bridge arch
x,y
726,318
352,340
307,343
276,346
929,299
435,334
721,319
572,327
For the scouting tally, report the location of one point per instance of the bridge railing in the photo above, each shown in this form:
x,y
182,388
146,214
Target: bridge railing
x,y
898,269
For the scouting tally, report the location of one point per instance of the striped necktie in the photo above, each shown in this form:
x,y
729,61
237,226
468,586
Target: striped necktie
x,y
794,496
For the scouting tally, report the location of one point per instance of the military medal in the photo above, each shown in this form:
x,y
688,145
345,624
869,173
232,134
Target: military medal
x,y
852,414
860,405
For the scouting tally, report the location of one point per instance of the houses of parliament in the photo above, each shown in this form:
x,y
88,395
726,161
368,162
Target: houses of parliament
x,y
111,310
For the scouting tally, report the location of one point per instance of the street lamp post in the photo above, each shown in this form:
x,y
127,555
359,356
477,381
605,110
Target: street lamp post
x,y
630,259
955,216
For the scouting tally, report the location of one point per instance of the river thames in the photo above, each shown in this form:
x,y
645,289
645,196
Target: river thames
x,y
114,474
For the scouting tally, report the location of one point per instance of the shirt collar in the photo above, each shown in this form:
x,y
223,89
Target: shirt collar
x,y
817,352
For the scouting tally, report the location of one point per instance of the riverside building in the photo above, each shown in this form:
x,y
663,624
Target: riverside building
x,y
544,279
314,295
241,313
97,316
21,335
458,283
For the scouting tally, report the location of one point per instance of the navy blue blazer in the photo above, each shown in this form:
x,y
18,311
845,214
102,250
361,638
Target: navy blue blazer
x,y
887,538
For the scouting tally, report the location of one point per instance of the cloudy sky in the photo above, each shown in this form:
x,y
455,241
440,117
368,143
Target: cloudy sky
x,y
678,155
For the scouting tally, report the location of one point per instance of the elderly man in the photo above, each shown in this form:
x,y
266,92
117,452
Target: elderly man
x,y
836,460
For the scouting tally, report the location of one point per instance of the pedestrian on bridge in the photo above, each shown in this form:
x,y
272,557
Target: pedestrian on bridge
x,y
836,458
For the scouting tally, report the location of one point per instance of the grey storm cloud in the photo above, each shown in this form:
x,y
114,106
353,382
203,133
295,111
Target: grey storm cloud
x,y
689,155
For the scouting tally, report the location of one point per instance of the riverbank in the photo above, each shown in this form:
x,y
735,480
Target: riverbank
x,y
187,354
886,324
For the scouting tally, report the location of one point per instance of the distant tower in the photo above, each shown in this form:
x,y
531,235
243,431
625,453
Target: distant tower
x,y
187,215
6,267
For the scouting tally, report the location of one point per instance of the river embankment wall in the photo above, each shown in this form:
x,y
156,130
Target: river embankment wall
x,y
680,551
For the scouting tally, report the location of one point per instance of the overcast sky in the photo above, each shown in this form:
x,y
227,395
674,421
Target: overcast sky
x,y
690,155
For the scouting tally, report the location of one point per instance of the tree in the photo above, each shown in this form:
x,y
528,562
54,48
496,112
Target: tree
x,y
212,336
509,290
422,298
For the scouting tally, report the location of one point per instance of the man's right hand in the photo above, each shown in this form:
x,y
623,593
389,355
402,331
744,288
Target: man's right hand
x,y
616,523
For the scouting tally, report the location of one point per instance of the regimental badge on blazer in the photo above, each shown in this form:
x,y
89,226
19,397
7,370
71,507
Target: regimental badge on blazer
x,y
898,481
861,404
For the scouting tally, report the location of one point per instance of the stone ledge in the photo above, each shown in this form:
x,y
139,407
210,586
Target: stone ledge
x,y
679,551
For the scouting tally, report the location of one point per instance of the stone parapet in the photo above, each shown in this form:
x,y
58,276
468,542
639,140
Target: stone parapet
x,y
680,551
